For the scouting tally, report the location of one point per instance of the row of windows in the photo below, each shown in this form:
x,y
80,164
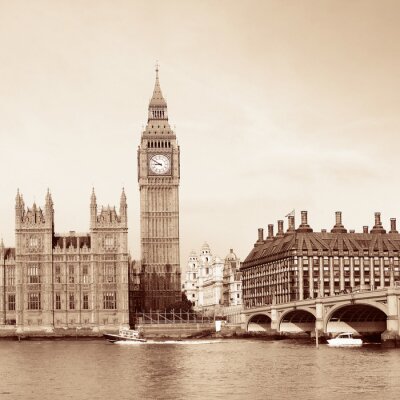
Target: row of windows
x,y
158,114
82,257
33,274
272,269
34,301
159,144
109,274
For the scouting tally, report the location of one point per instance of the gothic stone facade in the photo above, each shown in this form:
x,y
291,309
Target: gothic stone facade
x,y
301,264
158,176
77,281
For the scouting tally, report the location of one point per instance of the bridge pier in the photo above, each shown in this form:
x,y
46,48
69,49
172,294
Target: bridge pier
x,y
391,336
275,317
319,318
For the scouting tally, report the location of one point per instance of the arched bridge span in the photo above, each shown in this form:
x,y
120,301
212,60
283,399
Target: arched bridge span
x,y
358,318
259,323
296,321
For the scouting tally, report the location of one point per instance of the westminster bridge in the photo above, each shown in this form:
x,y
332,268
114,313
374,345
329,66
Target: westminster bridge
x,y
363,312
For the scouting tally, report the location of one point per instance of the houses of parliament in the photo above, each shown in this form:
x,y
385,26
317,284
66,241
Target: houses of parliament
x,y
53,282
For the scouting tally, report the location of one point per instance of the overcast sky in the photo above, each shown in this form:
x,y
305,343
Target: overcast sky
x,y
278,105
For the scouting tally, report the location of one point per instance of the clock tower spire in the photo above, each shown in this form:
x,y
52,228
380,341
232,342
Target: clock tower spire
x,y
158,177
157,105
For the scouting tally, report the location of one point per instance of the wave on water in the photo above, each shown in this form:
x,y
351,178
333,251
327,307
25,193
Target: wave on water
x,y
186,342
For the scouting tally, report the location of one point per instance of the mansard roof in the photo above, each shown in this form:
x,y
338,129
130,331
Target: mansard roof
x,y
324,244
71,240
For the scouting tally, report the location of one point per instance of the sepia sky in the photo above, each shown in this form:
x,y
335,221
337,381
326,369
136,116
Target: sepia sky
x,y
278,105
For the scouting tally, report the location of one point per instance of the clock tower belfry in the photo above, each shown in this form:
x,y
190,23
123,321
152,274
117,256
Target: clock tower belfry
x,y
158,176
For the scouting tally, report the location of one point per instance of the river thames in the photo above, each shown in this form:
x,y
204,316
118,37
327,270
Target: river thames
x,y
230,369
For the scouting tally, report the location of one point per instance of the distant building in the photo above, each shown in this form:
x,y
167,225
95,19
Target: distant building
x,y
55,281
232,280
300,264
210,282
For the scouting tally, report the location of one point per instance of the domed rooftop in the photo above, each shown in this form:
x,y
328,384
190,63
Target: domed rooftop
x,y
193,254
231,256
205,248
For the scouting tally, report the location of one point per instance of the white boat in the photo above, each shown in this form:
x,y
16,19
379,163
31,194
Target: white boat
x,y
124,335
344,339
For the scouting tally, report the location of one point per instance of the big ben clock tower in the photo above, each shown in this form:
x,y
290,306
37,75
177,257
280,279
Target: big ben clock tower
x,y
158,176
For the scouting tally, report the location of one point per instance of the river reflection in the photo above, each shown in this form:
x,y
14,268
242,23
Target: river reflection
x,y
232,369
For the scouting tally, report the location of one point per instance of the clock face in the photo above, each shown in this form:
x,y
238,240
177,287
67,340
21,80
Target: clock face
x,y
159,164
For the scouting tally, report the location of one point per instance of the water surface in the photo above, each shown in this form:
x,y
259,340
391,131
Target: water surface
x,y
231,369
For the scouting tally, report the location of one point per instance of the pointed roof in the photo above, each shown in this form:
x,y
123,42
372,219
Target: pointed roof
x,y
93,198
19,202
157,100
49,200
123,196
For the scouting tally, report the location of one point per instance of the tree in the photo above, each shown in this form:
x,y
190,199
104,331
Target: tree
x,y
185,305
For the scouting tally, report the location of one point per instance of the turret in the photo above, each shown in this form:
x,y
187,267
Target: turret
x,y
49,210
93,210
19,209
123,208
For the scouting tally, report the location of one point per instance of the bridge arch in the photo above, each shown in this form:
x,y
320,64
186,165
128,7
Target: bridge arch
x,y
362,318
297,320
260,322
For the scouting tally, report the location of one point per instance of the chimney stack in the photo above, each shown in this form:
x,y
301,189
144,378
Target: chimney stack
x,y
378,228
378,219
393,225
338,228
270,232
260,239
304,227
280,228
291,224
365,229
304,217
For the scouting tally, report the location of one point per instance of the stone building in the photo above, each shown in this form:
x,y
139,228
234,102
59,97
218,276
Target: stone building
x,y
232,280
300,263
158,177
53,281
211,283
